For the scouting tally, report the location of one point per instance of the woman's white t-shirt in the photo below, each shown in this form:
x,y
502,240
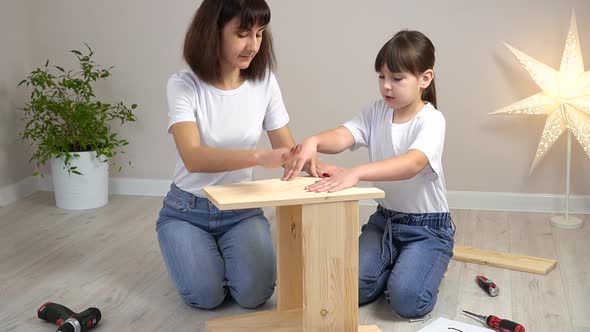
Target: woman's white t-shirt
x,y
226,119
373,128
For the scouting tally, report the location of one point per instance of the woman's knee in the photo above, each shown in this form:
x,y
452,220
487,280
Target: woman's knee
x,y
251,266
204,295
254,293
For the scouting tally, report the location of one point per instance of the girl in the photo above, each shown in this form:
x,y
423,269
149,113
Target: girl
x,y
217,111
407,243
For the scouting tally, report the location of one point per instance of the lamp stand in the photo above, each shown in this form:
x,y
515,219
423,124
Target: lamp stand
x,y
567,221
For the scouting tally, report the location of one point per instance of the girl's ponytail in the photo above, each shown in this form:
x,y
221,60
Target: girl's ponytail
x,y
429,94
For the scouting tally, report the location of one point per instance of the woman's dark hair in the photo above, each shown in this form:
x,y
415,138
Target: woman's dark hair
x,y
202,40
412,52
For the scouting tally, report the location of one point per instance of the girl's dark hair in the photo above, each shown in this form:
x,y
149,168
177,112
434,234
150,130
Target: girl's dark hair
x,y
412,52
202,40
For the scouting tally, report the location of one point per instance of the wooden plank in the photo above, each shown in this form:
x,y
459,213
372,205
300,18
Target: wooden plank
x,y
289,258
504,260
271,321
350,224
330,249
276,192
276,321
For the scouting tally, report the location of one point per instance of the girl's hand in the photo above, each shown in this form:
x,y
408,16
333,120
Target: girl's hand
x,y
299,155
339,181
272,158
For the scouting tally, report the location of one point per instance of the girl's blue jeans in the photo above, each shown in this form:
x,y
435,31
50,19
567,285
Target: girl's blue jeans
x,y
209,252
404,255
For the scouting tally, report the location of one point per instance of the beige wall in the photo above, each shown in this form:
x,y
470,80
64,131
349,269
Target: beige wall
x,y
15,50
326,51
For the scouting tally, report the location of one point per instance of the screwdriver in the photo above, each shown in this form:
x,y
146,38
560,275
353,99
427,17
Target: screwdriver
x,y
487,285
504,325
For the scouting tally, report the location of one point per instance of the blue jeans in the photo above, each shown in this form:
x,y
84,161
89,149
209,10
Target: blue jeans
x,y
209,252
404,255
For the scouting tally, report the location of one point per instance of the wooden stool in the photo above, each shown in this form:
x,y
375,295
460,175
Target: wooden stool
x,y
317,255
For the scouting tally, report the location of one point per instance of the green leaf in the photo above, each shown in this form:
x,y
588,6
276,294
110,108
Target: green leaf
x,y
89,49
63,115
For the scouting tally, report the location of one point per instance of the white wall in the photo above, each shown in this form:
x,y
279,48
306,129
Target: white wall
x,y
325,52
15,52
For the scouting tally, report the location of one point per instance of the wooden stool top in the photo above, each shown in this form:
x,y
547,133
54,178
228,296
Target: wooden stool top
x,y
276,192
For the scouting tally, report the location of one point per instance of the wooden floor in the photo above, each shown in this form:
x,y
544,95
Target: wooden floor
x,y
109,258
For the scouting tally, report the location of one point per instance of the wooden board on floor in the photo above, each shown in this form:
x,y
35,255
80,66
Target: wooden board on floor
x,y
272,321
504,260
283,321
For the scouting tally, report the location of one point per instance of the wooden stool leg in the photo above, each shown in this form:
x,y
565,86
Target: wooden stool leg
x,y
330,266
289,258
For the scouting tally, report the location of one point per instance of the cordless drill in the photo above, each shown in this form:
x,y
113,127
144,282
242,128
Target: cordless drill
x,y
68,320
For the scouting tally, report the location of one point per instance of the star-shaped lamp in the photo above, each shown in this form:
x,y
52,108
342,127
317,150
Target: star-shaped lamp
x,y
565,99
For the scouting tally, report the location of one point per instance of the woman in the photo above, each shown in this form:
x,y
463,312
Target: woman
x,y
217,111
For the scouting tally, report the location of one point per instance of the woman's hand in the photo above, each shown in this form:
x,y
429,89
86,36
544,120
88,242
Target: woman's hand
x,y
272,158
299,155
343,180
323,169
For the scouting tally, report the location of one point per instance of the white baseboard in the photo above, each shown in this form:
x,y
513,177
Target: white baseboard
x,y
457,199
517,202
16,191
498,201
124,186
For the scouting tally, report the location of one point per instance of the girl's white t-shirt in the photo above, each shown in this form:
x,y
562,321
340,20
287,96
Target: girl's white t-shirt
x,y
373,128
226,119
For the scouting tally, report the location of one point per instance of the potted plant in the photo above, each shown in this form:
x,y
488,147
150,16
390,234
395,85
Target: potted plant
x,y
69,127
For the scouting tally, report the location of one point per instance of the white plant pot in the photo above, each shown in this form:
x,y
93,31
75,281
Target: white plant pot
x,y
80,192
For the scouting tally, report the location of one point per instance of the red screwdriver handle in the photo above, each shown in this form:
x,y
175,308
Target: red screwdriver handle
x,y
504,325
487,285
